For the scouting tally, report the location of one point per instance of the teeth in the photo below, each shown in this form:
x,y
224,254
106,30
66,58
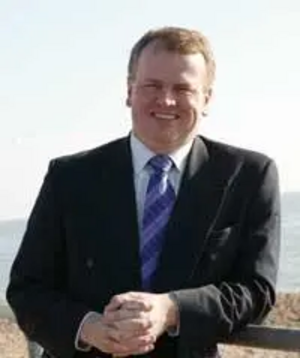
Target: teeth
x,y
164,116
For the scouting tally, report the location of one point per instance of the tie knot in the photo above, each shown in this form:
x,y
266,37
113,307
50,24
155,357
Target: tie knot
x,y
161,163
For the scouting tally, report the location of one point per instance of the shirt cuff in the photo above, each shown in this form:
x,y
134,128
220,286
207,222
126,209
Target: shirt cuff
x,y
79,345
174,331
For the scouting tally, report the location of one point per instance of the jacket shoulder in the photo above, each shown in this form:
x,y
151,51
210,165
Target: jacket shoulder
x,y
91,157
231,153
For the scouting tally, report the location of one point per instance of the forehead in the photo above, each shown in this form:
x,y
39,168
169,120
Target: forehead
x,y
161,64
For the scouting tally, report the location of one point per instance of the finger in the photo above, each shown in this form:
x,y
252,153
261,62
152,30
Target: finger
x,y
112,341
116,335
138,325
120,315
129,346
129,331
138,346
123,336
138,341
118,300
138,305
114,304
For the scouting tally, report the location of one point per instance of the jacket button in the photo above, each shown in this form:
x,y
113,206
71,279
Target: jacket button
x,y
89,263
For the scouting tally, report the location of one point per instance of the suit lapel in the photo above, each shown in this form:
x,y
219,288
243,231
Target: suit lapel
x,y
199,198
122,247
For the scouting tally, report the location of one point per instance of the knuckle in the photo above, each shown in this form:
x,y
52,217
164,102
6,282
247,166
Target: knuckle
x,y
116,299
144,324
148,322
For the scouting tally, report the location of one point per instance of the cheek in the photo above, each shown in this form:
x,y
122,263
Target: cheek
x,y
139,102
190,109
197,108
141,110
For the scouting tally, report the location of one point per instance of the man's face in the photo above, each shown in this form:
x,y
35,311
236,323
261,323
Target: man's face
x,y
167,98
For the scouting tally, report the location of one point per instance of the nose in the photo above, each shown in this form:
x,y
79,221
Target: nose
x,y
166,97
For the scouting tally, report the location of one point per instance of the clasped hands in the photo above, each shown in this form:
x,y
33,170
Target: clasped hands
x,y
131,323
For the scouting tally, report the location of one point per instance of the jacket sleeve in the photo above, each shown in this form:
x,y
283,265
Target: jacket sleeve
x,y
209,314
37,288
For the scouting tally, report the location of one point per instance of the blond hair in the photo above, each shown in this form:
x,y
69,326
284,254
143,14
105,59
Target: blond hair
x,y
178,40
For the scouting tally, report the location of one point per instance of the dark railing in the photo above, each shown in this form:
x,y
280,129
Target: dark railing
x,y
266,337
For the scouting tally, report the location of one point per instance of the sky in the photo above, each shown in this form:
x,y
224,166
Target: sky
x,y
63,75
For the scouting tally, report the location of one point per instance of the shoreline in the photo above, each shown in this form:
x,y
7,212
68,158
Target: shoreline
x,y
286,313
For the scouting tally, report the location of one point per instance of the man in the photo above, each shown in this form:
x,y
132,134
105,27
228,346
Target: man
x,y
163,243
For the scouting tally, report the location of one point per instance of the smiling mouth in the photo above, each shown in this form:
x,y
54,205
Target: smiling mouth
x,y
164,116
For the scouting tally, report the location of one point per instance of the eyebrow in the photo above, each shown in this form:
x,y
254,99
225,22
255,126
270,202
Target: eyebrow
x,y
179,84
153,80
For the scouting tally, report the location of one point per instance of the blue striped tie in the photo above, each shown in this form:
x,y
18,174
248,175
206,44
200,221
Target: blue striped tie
x,y
159,201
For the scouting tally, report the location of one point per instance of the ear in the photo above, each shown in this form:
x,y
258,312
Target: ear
x,y
207,99
129,92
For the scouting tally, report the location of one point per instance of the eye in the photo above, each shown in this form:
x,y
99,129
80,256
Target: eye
x,y
185,91
150,88
151,85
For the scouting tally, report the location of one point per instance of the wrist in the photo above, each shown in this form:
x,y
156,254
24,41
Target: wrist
x,y
172,312
88,328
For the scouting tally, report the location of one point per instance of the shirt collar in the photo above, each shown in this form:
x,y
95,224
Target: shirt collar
x,y
142,154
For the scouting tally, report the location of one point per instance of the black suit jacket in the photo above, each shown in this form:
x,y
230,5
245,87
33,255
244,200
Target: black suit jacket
x,y
81,246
